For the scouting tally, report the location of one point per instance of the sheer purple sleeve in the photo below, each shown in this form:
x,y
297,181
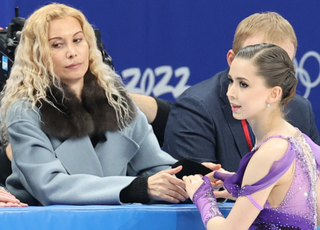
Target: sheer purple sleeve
x,y
278,168
222,176
206,202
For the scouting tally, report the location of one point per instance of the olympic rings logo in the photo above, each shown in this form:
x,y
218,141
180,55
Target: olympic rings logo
x,y
303,75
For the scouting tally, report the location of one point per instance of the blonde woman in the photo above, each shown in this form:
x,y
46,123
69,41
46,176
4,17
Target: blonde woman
x,y
76,135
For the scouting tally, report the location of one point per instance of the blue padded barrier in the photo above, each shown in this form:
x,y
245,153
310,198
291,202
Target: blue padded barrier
x,y
106,217
98,217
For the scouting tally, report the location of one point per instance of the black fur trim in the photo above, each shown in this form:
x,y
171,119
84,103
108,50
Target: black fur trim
x,y
73,118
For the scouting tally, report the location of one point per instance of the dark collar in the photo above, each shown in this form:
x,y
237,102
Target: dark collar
x,y
74,118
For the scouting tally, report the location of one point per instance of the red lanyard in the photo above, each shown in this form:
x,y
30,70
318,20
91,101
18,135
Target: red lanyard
x,y
246,133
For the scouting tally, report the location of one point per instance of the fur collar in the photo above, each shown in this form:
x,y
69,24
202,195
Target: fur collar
x,y
74,119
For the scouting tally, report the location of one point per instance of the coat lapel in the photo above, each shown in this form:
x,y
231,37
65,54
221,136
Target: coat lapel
x,y
78,157
108,154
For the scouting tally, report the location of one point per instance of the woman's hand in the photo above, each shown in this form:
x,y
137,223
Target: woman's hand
x,y
223,194
8,200
218,177
192,184
217,184
164,186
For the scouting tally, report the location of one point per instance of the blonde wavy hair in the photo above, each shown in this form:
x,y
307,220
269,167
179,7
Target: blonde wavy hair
x,y
272,26
32,72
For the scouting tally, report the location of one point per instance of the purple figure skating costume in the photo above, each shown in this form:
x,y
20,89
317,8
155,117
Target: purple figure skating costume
x,y
298,210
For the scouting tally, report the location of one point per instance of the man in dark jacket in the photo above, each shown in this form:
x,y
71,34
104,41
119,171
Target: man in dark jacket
x,y
201,126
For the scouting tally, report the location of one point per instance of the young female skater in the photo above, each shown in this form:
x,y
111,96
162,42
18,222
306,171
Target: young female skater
x,y
277,183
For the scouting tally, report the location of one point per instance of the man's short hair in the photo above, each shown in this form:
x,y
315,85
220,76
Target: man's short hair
x,y
270,25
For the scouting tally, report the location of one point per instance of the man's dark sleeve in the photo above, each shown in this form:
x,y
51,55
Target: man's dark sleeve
x,y
314,134
190,131
160,121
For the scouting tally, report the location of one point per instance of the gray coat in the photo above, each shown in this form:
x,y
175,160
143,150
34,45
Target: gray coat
x,y
72,171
